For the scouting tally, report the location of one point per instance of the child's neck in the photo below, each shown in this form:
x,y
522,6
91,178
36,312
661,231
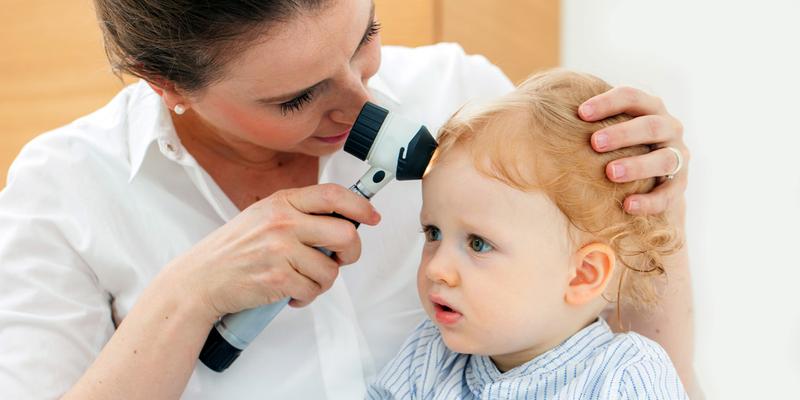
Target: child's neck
x,y
507,362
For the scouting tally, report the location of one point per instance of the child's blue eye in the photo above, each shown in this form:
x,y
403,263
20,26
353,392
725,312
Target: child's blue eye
x,y
432,233
477,244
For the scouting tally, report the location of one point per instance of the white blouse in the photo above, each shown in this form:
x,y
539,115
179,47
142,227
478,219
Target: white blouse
x,y
93,210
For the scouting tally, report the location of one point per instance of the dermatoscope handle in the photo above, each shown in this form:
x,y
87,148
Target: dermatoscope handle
x,y
234,332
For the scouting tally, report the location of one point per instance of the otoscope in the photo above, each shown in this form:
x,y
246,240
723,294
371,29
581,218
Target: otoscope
x,y
394,147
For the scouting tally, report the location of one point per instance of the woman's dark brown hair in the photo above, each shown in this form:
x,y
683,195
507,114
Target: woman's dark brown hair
x,y
187,42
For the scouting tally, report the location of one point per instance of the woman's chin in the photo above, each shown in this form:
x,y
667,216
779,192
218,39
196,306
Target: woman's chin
x,y
318,149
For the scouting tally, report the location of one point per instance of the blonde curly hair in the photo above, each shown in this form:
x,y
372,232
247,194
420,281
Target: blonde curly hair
x,y
533,139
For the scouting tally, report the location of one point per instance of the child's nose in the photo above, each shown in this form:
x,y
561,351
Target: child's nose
x,y
441,269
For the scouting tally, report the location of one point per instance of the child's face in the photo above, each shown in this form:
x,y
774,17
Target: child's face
x,y
494,268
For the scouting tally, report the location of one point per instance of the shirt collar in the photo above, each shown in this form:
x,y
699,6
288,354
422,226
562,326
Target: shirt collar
x,y
576,349
148,121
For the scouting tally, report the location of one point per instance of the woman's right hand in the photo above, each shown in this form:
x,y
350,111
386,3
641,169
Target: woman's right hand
x,y
267,253
263,255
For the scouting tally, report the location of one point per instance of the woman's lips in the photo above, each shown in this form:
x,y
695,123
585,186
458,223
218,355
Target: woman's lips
x,y
335,139
444,313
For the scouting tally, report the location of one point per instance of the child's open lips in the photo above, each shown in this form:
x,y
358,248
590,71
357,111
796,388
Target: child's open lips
x,y
444,313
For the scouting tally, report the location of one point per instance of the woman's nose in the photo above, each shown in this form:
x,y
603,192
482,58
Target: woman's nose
x,y
353,96
441,269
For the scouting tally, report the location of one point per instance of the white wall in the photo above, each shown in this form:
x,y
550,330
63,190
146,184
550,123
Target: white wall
x,y
730,71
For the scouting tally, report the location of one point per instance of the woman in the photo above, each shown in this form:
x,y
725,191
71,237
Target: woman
x,y
196,193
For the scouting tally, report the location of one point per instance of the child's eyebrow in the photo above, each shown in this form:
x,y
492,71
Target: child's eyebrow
x,y
484,230
423,215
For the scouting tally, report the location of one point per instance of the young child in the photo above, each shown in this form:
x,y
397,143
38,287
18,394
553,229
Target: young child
x,y
526,244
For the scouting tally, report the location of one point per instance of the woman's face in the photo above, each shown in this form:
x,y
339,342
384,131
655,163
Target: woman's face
x,y
299,88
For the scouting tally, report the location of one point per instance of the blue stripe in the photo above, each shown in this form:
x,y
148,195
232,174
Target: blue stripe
x,y
625,365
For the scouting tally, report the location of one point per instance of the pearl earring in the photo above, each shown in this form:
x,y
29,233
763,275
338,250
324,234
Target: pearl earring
x,y
179,109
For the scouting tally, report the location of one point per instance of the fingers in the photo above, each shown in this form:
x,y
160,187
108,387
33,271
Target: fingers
x,y
656,163
648,129
619,100
653,125
268,249
330,198
313,274
659,200
334,234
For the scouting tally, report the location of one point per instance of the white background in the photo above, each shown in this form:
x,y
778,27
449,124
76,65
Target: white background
x,y
730,71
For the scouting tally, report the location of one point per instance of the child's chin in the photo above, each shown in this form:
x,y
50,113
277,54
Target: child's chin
x,y
460,343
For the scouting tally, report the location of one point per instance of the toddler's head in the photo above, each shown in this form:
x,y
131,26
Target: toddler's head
x,y
526,239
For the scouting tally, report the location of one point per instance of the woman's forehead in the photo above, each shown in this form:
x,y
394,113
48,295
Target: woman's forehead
x,y
294,55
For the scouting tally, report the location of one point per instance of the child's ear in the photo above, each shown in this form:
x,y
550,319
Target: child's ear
x,y
591,271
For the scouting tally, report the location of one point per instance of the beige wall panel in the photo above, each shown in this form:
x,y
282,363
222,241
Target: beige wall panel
x,y
520,36
53,70
406,22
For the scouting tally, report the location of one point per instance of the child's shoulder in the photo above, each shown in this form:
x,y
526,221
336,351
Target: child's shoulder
x,y
630,348
632,366
646,349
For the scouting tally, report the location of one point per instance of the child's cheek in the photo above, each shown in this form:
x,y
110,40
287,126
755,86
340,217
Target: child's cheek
x,y
423,286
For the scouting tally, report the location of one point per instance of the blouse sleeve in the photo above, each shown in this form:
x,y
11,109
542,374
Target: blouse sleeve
x,y
54,319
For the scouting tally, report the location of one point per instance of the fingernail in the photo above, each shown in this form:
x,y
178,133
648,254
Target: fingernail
x,y
587,110
617,171
600,141
633,205
376,217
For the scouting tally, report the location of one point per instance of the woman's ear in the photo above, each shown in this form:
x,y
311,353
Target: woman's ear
x,y
172,97
592,269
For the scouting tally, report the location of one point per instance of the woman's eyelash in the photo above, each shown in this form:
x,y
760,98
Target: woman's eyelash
x,y
371,32
296,103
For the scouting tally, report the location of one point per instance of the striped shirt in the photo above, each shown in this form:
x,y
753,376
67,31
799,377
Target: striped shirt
x,y
594,363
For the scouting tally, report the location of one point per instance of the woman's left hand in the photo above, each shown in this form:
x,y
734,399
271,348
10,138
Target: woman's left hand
x,y
652,125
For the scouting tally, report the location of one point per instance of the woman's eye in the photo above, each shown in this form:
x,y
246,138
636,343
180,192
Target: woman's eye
x,y
297,103
371,32
432,233
477,244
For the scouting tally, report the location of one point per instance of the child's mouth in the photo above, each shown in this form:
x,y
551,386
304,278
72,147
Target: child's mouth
x,y
445,314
